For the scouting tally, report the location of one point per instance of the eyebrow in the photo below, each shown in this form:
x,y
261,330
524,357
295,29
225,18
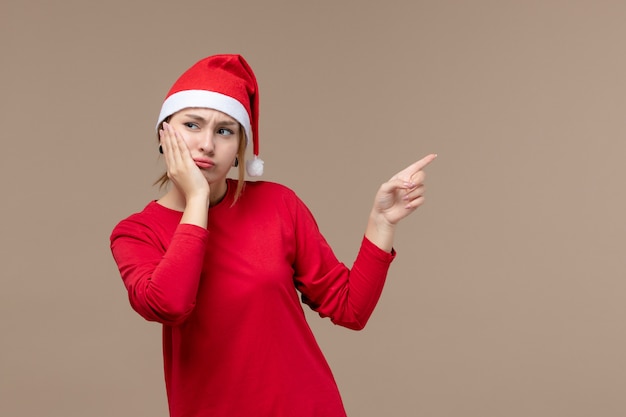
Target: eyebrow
x,y
219,121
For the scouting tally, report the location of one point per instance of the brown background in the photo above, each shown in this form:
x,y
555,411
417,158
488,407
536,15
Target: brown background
x,y
507,297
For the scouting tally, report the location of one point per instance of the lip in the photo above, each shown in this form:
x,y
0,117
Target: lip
x,y
204,163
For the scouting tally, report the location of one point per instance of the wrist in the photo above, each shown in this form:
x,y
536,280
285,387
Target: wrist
x,y
196,210
199,199
380,231
380,222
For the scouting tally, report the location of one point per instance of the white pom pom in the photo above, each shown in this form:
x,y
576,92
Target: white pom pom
x,y
255,167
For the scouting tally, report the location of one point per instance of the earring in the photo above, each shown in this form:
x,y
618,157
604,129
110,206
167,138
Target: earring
x,y
236,163
160,149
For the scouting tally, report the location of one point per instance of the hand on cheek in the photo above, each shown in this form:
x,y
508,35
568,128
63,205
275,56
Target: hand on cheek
x,y
181,168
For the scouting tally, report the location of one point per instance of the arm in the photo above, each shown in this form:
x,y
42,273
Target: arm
x,y
162,278
161,275
348,296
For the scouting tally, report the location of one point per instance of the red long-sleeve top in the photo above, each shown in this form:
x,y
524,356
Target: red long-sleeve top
x,y
235,339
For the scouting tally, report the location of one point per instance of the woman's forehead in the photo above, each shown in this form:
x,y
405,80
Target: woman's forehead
x,y
204,113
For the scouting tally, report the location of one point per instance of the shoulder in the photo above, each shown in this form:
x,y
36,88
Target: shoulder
x,y
263,196
267,190
153,220
267,186
268,196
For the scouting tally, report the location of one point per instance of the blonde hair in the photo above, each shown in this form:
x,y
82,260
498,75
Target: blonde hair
x,y
241,157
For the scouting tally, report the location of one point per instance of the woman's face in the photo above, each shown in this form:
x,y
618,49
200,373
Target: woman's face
x,y
212,138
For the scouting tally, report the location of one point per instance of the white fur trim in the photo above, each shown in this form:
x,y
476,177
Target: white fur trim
x,y
255,167
208,99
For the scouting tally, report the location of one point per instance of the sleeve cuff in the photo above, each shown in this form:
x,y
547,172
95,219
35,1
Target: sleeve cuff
x,y
376,252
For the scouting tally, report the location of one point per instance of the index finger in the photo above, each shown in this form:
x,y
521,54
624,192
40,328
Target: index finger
x,y
422,163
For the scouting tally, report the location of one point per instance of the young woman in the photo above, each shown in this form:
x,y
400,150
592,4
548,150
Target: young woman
x,y
223,263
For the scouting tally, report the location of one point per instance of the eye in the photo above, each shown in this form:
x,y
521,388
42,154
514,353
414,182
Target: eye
x,y
191,125
224,132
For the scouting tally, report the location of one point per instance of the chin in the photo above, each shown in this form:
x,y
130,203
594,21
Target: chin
x,y
214,179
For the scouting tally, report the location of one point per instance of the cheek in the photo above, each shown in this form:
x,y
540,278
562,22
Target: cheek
x,y
190,144
231,147
189,138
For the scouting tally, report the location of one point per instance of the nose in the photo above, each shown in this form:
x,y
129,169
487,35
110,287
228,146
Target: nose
x,y
207,144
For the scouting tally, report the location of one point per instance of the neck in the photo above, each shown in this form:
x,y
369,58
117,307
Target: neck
x,y
218,192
